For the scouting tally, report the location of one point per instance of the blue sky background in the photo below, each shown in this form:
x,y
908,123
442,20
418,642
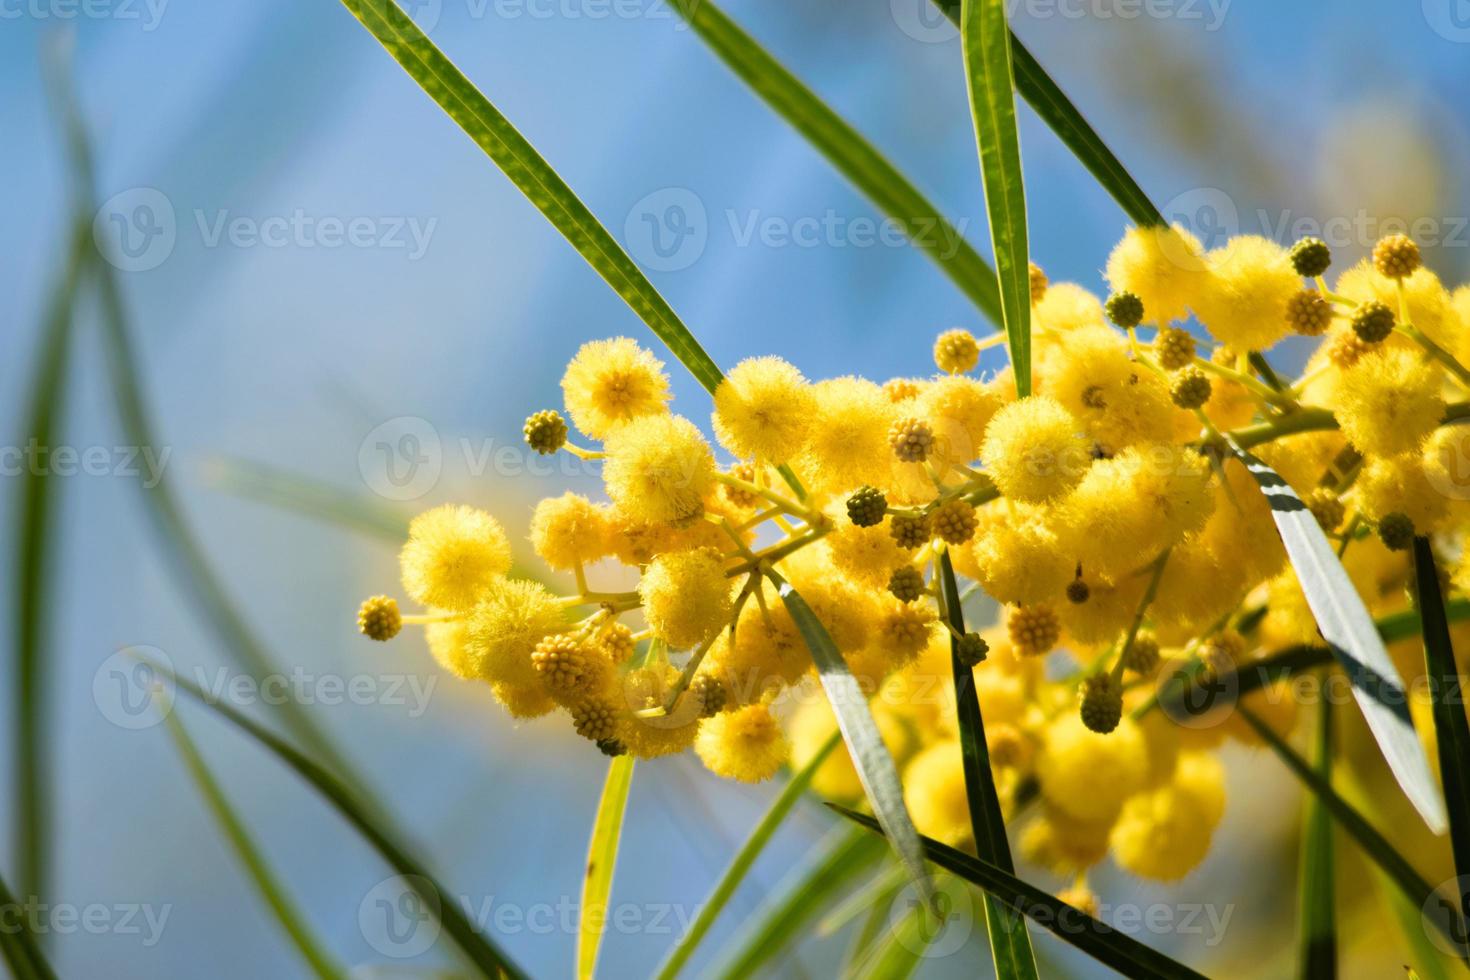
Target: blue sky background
x,y
290,356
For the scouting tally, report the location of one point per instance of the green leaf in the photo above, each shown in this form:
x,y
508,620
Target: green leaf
x,y
1317,879
875,767
759,837
1097,939
19,947
438,901
287,915
1451,731
285,490
782,918
1442,913
513,154
897,953
846,149
1061,116
33,531
1010,944
1346,625
987,50
602,861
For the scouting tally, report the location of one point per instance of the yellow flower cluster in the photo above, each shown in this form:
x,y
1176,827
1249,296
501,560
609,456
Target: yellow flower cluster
x,y
1105,513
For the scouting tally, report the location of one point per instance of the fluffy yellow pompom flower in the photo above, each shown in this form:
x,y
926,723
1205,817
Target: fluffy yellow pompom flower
x,y
571,530
1388,402
658,469
449,644
522,701
1164,833
1034,450
956,351
1164,267
1067,306
957,409
1431,308
1129,508
654,737
1088,776
745,744
764,409
1120,401
1107,610
686,596
848,446
504,628
1403,485
1065,846
1017,560
866,555
611,382
1244,297
453,554
813,724
934,792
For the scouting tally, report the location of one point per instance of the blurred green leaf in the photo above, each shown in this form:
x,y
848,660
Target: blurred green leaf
x,y
897,951
875,767
286,914
1348,628
481,951
32,558
846,149
1095,938
783,917
1062,117
1317,878
602,861
19,948
285,490
1444,914
1010,944
518,159
1452,733
985,40
678,957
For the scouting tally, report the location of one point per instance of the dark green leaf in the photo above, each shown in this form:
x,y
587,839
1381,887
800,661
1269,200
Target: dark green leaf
x,y
987,49
439,901
781,919
875,766
1346,625
745,857
19,948
513,154
1317,880
1010,944
853,156
602,861
1097,939
1441,912
285,911
1061,116
1452,733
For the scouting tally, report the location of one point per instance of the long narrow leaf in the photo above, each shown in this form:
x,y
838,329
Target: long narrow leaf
x,y
19,948
898,952
987,50
1095,938
513,154
488,958
1346,625
759,837
602,861
1317,881
1044,95
853,156
1444,914
775,924
310,498
31,557
287,915
1452,733
875,766
1010,944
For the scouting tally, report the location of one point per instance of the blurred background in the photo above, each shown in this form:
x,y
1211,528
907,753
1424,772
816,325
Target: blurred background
x,y
324,274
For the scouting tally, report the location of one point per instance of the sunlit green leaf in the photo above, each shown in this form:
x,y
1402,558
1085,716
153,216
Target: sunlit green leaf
x,y
602,861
